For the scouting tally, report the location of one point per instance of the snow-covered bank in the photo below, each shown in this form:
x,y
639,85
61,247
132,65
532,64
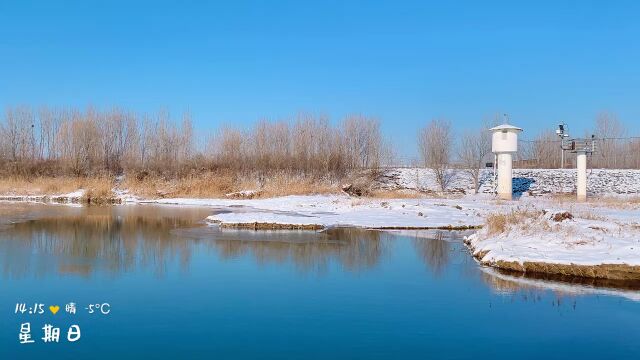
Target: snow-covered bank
x,y
341,210
587,241
69,198
602,238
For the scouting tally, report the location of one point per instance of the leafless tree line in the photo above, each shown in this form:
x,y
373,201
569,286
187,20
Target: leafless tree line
x,y
309,144
445,157
54,142
47,141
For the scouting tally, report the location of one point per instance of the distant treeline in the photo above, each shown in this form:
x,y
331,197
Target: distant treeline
x,y
50,142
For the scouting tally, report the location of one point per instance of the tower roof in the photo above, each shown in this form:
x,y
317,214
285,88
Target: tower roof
x,y
505,127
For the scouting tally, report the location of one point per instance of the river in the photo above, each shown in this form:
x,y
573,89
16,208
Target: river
x,y
157,282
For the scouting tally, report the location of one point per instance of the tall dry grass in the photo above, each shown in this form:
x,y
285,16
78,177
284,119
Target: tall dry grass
x,y
614,202
46,185
499,223
203,185
221,183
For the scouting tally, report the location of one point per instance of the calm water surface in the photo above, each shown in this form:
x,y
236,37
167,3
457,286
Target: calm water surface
x,y
180,289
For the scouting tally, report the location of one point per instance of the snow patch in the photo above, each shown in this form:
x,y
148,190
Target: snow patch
x,y
577,241
341,210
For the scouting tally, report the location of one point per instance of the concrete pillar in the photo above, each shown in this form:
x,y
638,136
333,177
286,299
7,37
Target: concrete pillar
x,y
505,176
581,183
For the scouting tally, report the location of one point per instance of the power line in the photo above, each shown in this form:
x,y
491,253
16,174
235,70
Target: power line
x,y
560,141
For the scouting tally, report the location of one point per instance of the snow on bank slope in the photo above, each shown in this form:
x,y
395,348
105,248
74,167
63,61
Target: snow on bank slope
x,y
595,236
598,234
527,181
338,210
72,197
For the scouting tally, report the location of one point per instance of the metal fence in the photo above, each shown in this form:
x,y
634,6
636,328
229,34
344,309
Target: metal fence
x,y
610,153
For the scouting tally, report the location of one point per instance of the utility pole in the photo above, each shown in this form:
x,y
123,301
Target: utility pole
x,y
582,148
563,133
33,142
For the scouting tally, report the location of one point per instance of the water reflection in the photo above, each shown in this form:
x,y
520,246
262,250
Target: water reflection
x,y
36,240
529,287
79,240
125,238
353,249
435,252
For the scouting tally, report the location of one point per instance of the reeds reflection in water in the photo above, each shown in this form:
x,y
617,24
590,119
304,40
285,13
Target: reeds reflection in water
x,y
53,240
81,240
352,249
117,239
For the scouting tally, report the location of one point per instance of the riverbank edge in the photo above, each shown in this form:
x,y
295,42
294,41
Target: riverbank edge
x,y
79,197
318,227
600,271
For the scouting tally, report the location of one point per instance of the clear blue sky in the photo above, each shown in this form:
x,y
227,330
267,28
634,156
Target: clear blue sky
x,y
404,62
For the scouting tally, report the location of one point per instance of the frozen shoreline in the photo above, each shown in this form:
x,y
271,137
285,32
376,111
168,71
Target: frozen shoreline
x,y
601,240
597,241
341,210
578,242
598,235
69,198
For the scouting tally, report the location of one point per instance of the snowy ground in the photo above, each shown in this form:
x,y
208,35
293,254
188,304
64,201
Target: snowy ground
x,y
342,210
596,235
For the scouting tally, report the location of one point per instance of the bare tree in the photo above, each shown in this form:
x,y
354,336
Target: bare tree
x,y
435,143
228,148
186,138
363,141
145,138
609,129
474,147
546,149
634,150
49,125
18,133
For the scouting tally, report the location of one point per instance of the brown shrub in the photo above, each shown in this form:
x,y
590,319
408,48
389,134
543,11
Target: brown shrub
x,y
208,184
499,223
283,183
562,216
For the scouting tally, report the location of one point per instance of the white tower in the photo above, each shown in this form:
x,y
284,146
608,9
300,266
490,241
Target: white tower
x,y
504,144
